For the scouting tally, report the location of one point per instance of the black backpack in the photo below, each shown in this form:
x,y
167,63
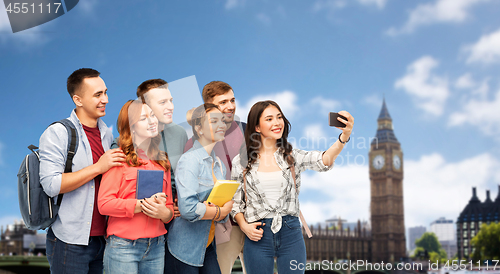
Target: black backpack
x,y
39,210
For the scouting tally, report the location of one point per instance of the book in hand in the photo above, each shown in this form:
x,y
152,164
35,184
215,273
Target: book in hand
x,y
149,182
223,192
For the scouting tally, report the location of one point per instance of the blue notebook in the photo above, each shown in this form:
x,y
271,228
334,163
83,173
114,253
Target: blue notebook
x,y
149,182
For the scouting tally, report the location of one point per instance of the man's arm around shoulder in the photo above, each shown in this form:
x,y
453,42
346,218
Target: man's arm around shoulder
x,y
53,153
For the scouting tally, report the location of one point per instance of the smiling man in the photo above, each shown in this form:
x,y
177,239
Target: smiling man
x,y
222,95
156,94
75,241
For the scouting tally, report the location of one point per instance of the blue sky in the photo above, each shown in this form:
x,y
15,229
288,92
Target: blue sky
x,y
437,62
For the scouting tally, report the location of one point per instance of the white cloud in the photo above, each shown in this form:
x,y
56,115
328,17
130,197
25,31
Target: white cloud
x,y
477,89
314,133
446,187
465,82
379,3
23,39
441,11
231,4
8,220
287,100
486,50
429,91
263,18
347,188
479,112
325,105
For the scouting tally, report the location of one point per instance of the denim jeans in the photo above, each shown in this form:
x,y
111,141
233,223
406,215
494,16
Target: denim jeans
x,y
287,246
144,255
71,258
210,264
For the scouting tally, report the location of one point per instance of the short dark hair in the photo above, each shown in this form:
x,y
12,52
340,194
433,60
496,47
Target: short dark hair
x,y
148,85
213,89
76,78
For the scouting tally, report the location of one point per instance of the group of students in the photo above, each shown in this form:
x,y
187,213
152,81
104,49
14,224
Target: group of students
x,y
102,225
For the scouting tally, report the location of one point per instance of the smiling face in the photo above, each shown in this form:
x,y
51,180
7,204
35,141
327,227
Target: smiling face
x,y
91,98
213,128
146,127
271,123
161,102
227,104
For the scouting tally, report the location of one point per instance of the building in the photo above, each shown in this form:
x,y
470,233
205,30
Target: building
x,y
338,242
386,183
446,233
414,233
17,239
444,229
338,222
472,217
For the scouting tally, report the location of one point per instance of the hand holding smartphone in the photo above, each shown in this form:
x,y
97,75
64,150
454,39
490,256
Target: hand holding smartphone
x,y
334,122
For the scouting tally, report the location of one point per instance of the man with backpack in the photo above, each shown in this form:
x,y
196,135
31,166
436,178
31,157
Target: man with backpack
x,y
75,241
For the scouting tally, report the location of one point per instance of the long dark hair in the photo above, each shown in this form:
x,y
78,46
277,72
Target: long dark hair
x,y
253,141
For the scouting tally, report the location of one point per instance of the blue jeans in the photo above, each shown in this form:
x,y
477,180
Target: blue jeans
x,y
210,264
287,246
70,258
144,255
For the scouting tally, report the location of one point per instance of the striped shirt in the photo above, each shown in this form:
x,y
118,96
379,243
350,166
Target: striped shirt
x,y
258,206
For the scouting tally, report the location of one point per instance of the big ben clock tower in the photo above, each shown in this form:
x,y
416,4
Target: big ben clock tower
x,y
386,183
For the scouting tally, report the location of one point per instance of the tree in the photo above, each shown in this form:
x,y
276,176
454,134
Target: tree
x,y
429,242
440,256
487,242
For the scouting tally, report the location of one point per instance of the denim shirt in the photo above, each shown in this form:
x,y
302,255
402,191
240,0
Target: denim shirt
x,y
74,219
188,234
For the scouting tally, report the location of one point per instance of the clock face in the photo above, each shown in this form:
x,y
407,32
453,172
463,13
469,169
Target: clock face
x,y
378,162
396,162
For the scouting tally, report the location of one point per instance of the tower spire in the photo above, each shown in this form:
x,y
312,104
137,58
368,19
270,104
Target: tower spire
x,y
384,113
385,132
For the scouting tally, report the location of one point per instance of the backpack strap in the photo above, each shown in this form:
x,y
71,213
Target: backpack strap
x,y
72,147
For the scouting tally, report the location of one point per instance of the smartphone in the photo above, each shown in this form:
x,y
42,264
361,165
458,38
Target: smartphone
x,y
333,122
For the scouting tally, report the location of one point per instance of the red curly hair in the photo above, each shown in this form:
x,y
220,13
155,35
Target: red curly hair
x,y
129,115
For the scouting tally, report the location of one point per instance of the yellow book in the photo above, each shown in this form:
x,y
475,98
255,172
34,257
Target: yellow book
x,y
223,192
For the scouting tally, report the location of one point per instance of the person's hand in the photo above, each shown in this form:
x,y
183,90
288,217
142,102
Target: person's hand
x,y
111,158
347,130
159,197
225,209
177,213
155,208
252,232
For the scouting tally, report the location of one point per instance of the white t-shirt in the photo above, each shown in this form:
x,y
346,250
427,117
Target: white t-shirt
x,y
271,184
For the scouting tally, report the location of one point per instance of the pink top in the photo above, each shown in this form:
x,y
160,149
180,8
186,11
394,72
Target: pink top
x,y
117,200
